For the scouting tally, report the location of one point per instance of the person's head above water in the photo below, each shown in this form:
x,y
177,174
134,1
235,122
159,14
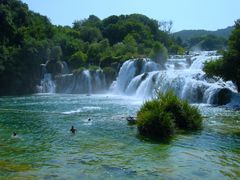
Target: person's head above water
x,y
73,130
14,134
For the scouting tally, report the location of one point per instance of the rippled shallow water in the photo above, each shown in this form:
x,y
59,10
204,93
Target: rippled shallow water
x,y
106,147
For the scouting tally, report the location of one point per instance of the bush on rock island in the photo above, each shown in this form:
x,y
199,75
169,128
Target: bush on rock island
x,y
162,117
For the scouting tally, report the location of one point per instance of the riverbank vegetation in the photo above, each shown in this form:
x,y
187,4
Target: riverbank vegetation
x,y
165,115
228,67
28,39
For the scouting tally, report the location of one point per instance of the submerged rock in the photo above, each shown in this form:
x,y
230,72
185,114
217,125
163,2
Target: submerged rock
x,y
131,120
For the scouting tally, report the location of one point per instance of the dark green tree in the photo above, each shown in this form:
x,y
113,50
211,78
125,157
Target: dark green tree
x,y
159,53
228,67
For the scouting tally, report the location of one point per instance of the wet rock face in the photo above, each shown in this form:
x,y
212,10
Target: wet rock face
x,y
54,67
222,97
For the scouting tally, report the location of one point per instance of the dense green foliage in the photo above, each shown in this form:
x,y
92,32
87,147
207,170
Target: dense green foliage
x,y
24,45
28,39
228,67
161,117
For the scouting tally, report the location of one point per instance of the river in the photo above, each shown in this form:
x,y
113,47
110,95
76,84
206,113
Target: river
x,y
106,147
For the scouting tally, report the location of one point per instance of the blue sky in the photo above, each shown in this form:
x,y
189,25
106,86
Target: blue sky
x,y
185,14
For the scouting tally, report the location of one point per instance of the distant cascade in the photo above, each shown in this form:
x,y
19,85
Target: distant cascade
x,y
183,74
47,85
65,69
85,82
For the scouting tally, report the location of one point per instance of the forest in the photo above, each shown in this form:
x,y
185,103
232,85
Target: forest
x,y
28,39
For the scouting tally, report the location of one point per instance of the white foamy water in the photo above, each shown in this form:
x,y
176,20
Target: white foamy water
x,y
183,74
82,109
73,111
91,108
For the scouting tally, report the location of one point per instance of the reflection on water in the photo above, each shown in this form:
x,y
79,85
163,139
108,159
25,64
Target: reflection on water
x,y
106,147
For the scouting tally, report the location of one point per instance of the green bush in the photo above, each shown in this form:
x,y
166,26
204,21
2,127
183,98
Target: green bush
x,y
79,70
93,68
161,117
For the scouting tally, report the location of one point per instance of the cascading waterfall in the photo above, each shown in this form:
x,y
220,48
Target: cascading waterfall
x,y
143,77
131,69
47,85
183,74
65,69
85,82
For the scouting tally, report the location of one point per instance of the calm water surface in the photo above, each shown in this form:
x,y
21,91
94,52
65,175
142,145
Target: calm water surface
x,y
106,147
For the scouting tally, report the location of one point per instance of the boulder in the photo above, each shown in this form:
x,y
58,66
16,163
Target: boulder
x,y
222,97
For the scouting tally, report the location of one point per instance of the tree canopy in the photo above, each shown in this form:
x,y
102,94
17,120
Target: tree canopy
x,y
228,67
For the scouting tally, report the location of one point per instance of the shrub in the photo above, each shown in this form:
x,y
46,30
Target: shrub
x,y
162,116
79,70
159,53
93,68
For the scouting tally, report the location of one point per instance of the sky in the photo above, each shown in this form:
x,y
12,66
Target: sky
x,y
185,14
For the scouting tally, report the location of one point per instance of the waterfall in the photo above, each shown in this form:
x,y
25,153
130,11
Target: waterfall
x,y
143,77
131,69
65,69
47,85
183,74
85,82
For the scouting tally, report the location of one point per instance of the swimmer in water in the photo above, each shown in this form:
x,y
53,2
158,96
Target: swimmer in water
x,y
89,119
73,130
14,135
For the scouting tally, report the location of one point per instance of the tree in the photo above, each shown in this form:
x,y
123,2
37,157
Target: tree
x,y
56,54
228,67
166,26
92,21
90,34
78,59
159,53
130,43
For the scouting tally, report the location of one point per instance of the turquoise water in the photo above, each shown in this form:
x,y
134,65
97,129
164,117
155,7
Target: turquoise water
x,y
106,147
